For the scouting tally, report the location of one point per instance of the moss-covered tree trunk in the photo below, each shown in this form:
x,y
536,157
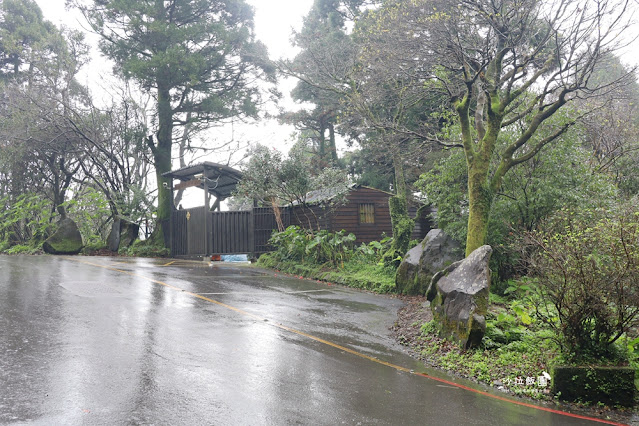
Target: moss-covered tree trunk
x,y
401,222
480,198
482,187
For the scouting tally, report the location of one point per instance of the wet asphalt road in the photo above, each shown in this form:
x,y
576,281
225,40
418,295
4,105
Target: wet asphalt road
x,y
89,340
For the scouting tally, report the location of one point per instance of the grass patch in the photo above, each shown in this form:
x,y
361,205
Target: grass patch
x,y
145,249
372,277
516,366
22,249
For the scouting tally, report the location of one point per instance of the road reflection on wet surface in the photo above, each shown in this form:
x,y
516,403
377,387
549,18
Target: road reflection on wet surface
x,y
90,340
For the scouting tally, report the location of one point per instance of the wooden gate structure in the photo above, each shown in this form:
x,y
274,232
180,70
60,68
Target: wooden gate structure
x,y
231,232
203,231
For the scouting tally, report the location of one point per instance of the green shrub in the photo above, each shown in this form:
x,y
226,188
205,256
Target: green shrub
x,y
586,265
4,245
290,244
372,252
90,210
24,222
27,220
21,249
331,257
318,247
93,246
402,229
145,249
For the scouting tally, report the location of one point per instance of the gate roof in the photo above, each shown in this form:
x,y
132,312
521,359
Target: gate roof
x,y
221,179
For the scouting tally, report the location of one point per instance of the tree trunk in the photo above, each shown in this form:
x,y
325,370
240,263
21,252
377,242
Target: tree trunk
x,y
478,156
321,145
182,152
401,222
332,145
480,199
162,160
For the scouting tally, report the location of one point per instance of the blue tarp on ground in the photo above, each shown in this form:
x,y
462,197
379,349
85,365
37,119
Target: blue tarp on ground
x,y
234,258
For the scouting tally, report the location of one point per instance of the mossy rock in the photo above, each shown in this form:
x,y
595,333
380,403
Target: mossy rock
x,y
65,240
461,300
422,262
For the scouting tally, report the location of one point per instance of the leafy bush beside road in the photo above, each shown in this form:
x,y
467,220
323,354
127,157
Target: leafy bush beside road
x,y
586,266
332,257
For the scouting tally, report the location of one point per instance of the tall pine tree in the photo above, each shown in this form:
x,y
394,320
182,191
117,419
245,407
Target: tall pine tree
x,y
199,58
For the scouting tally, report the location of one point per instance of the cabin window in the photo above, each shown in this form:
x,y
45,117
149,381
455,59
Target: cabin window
x,y
367,213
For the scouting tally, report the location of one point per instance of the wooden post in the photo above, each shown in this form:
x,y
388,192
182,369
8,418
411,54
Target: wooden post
x,y
172,219
216,206
206,214
252,232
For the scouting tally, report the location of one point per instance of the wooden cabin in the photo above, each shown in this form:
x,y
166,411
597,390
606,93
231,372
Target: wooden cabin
x,y
366,214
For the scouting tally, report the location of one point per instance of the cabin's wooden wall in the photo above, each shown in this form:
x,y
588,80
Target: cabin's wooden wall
x,y
347,216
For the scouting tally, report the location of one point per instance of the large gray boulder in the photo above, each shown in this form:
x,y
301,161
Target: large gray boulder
x,y
123,234
65,240
129,233
461,299
113,240
434,253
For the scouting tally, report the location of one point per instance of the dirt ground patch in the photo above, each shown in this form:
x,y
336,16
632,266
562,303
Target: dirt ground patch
x,y
410,317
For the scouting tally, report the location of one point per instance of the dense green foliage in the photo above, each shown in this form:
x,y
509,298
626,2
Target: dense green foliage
x,y
318,247
586,269
519,345
27,222
24,223
532,192
490,76
331,257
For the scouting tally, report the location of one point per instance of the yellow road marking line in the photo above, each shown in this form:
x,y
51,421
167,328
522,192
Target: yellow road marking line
x,y
348,350
133,274
184,262
248,314
195,262
254,292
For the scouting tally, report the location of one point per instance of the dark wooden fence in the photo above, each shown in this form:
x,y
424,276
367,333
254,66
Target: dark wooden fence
x,y
196,232
231,232
264,225
179,233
